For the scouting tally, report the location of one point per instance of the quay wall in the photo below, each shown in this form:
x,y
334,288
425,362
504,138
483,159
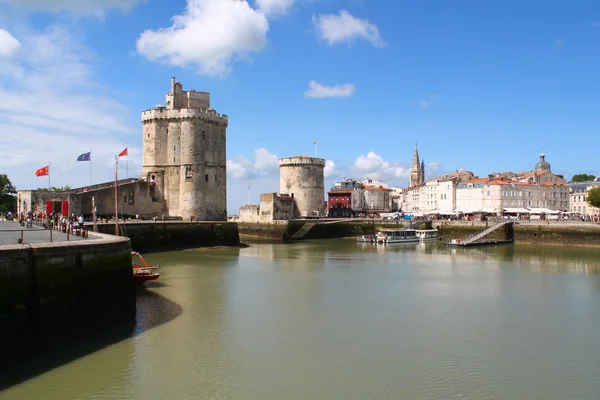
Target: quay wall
x,y
534,233
175,235
57,292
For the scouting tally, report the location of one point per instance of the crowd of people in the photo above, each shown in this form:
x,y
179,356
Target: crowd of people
x,y
55,220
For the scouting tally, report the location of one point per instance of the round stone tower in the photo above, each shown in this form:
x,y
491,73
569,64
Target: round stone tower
x,y
302,178
184,155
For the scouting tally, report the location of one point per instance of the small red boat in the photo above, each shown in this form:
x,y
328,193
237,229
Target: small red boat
x,y
144,272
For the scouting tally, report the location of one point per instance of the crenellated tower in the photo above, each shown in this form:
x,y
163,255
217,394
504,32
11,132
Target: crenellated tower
x,y
184,155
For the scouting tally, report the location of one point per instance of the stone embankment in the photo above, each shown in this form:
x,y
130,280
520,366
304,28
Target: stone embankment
x,y
57,292
538,232
175,235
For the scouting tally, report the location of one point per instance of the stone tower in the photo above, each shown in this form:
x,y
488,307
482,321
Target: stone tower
x,y
417,170
184,155
302,178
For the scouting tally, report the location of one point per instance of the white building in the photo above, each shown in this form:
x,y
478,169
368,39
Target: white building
x,y
578,196
494,195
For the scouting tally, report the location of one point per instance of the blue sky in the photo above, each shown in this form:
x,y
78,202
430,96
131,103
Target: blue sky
x,y
481,85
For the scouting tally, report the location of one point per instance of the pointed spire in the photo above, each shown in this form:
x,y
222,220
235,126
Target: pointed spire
x,y
415,163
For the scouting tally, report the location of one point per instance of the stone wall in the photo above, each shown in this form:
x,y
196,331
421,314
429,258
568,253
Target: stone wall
x,y
165,236
57,292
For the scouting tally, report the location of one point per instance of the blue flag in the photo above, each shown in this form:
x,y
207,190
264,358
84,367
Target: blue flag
x,y
85,157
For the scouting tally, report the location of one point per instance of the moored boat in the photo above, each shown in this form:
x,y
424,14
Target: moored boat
x,y
143,272
367,239
387,236
427,235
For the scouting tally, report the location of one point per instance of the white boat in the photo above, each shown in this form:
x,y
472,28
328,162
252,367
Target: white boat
x,y
367,239
386,236
427,235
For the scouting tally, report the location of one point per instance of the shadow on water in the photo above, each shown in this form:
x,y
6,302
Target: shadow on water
x,y
152,310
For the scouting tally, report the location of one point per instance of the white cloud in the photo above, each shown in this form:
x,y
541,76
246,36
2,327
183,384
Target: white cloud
x,y
80,7
208,36
433,167
53,109
429,101
264,164
316,89
345,28
9,46
274,7
374,166
331,169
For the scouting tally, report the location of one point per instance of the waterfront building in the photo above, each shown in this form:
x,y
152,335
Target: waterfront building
x,y
183,173
344,199
495,194
578,196
184,155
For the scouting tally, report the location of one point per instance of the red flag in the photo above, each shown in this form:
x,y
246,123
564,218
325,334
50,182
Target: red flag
x,y
123,153
43,171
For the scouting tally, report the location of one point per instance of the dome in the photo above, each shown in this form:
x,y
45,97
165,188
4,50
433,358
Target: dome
x,y
543,165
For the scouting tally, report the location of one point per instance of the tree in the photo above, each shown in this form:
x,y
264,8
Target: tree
x,y
8,198
582,178
593,197
55,189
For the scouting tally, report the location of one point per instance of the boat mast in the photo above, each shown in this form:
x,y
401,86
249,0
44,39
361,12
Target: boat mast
x,y
116,199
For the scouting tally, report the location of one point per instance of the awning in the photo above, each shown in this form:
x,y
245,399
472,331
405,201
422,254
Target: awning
x,y
516,210
543,211
488,210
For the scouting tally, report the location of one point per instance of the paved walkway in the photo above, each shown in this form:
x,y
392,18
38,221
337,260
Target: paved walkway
x,y
10,232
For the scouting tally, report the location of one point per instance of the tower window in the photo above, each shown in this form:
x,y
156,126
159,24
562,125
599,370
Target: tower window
x,y
206,178
215,178
203,134
174,148
148,136
173,159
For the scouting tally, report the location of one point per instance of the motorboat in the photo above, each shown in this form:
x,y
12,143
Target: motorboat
x,y
143,272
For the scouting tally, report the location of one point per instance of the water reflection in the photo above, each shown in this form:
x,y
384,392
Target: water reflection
x,y
338,319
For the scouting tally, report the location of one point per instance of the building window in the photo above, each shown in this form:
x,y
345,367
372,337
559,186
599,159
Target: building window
x,y
215,178
188,174
174,148
125,199
206,178
203,134
131,198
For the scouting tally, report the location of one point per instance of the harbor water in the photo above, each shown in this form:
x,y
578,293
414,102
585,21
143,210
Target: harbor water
x,y
335,319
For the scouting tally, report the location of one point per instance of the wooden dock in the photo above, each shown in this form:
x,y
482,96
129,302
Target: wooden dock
x,y
479,239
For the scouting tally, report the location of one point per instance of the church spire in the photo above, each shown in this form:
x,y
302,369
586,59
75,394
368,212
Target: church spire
x,y
416,170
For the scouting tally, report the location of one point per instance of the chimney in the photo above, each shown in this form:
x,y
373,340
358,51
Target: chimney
x,y
172,84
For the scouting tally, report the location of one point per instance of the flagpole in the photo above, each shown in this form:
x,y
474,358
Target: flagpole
x,y
127,162
90,167
315,149
49,162
116,199
248,193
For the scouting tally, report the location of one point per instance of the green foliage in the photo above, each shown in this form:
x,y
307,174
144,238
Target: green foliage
x,y
582,178
8,198
593,197
55,189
